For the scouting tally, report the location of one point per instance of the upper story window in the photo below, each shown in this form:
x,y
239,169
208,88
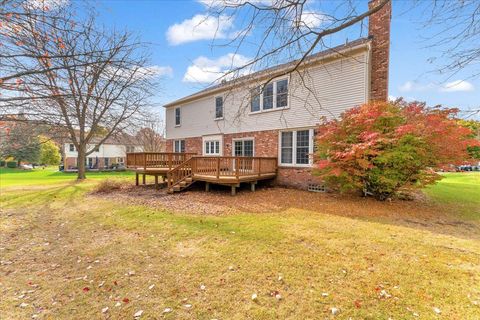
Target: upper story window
x,y
72,147
255,103
273,96
218,107
296,147
130,149
178,117
179,146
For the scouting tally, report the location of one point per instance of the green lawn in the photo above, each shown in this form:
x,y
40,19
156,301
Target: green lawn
x,y
68,254
49,175
461,190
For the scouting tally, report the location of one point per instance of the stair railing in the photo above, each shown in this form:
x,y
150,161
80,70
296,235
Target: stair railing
x,y
180,173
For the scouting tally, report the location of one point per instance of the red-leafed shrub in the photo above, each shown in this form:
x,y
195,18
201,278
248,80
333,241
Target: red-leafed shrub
x,y
381,148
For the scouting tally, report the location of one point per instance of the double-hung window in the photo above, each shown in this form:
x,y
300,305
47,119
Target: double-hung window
x,y
218,107
212,147
179,146
71,147
296,147
268,96
178,117
272,96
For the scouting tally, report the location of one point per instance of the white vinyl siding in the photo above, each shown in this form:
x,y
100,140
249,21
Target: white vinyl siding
x,y
333,87
296,147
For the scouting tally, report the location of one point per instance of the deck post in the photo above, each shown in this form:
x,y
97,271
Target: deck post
x,y
136,178
143,178
218,167
207,186
234,190
252,186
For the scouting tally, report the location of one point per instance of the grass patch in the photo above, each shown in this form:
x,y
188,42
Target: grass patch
x,y
67,254
50,175
460,190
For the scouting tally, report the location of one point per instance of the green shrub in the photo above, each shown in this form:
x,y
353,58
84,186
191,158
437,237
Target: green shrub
x,y
11,164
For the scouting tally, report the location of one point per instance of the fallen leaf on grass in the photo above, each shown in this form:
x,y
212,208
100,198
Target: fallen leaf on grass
x,y
138,314
126,300
86,289
104,310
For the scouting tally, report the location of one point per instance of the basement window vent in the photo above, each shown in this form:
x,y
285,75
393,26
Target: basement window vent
x,y
316,187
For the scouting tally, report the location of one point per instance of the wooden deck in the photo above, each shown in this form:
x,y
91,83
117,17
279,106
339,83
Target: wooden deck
x,y
180,170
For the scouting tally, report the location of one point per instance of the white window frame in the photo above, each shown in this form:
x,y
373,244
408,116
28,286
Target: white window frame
x,y
209,140
223,107
175,116
274,97
243,139
70,145
311,136
180,145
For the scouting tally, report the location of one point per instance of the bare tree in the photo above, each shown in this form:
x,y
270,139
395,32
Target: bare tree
x,y
151,135
286,29
88,80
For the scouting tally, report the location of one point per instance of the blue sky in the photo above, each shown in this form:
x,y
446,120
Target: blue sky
x,y
178,56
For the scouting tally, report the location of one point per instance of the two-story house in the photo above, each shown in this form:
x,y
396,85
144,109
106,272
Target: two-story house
x,y
271,114
111,153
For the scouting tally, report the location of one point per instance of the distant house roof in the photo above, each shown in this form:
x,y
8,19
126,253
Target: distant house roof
x,y
336,52
123,139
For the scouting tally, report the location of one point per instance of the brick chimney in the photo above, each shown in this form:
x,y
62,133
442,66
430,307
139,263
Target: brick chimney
x,y
379,32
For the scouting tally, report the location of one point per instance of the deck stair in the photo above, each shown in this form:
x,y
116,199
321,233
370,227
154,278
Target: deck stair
x,y
180,177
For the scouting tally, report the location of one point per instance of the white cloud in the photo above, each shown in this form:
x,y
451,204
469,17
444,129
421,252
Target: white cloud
x,y
205,70
160,71
457,85
47,4
412,86
200,27
406,87
235,3
454,86
310,19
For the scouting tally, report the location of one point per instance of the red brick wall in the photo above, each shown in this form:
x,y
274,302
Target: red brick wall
x,y
379,31
265,142
70,162
266,145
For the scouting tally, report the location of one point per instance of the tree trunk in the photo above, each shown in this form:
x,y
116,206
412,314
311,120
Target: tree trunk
x,y
81,159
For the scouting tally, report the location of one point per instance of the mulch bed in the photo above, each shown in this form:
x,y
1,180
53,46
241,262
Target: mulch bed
x,y
418,213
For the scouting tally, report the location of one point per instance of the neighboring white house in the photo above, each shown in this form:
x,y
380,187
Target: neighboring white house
x,y
111,153
249,117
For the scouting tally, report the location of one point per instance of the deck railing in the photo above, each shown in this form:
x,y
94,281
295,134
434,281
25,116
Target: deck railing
x,y
156,159
233,166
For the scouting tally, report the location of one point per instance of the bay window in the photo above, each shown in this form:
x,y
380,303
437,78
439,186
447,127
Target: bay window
x,y
296,147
